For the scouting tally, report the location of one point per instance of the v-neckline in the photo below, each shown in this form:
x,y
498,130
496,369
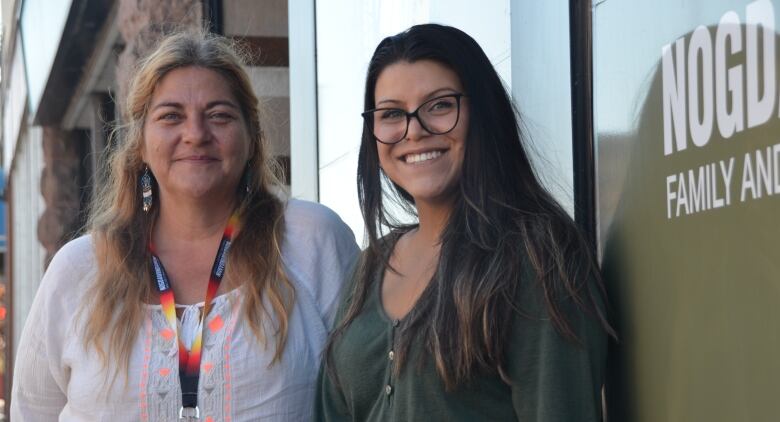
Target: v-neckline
x,y
383,267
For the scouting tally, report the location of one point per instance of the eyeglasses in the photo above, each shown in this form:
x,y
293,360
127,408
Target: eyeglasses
x,y
437,116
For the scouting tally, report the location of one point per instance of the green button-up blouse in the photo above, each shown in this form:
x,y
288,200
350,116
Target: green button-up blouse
x,y
552,379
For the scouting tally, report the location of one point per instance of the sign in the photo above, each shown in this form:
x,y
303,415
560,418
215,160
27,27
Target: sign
x,y
689,205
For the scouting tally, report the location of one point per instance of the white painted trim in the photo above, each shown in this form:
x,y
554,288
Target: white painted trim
x,y
303,100
15,105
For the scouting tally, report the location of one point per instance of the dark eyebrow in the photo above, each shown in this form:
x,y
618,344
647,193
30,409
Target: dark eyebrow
x,y
388,101
433,94
440,92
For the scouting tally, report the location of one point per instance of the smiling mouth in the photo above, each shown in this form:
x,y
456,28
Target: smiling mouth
x,y
199,158
422,157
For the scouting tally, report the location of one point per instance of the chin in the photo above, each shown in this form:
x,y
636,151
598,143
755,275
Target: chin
x,y
432,196
202,192
432,189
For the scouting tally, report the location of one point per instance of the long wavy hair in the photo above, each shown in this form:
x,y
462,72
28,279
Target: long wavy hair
x,y
503,227
121,230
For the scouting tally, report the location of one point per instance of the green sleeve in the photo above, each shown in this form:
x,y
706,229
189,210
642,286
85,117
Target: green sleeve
x,y
330,404
555,379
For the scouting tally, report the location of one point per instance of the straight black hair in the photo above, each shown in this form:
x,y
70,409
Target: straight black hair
x,y
504,227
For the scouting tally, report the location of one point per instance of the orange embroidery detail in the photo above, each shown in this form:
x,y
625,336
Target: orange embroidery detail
x,y
165,371
209,419
216,324
167,333
208,366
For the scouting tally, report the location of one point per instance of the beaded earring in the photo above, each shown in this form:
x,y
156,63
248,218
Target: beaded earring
x,y
246,180
146,189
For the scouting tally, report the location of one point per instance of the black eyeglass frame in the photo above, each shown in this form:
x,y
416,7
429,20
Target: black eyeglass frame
x,y
368,117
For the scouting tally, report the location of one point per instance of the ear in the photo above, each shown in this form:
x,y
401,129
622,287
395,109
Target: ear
x,y
252,145
141,151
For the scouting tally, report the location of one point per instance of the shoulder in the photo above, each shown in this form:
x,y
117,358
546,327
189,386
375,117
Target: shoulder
x,y
318,251
572,310
82,247
314,232
66,281
310,214
314,222
72,264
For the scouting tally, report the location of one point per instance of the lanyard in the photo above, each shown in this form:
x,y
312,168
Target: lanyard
x,y
189,361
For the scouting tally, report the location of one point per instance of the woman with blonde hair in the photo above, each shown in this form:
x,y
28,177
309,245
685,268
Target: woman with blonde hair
x,y
198,292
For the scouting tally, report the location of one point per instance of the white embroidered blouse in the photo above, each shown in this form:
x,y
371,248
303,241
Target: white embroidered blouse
x,y
55,378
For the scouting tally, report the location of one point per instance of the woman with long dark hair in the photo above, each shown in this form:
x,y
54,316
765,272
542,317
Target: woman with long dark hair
x,y
490,306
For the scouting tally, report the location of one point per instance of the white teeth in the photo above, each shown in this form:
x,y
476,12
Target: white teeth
x,y
425,156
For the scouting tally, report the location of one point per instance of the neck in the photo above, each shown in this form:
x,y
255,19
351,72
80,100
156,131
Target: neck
x,y
191,222
433,218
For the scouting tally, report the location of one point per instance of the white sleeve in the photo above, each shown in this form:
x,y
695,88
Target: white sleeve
x,y
320,251
40,378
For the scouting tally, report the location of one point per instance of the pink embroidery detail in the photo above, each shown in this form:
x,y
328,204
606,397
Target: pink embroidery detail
x,y
145,369
167,333
216,324
226,364
165,371
208,366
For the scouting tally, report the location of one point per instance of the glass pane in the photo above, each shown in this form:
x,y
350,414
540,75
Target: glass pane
x,y
40,46
687,131
541,88
343,52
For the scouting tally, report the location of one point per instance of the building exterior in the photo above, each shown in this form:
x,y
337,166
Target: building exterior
x,y
656,125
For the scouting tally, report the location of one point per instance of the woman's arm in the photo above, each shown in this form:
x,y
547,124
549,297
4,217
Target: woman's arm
x,y
555,379
36,394
330,405
40,379
320,251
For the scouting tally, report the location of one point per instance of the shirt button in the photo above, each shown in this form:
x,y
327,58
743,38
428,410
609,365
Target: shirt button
x,y
388,390
396,322
391,355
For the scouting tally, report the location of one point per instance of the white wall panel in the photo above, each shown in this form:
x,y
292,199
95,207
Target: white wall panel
x,y
27,202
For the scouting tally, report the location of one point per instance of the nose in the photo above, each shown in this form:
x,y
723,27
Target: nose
x,y
415,129
196,131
